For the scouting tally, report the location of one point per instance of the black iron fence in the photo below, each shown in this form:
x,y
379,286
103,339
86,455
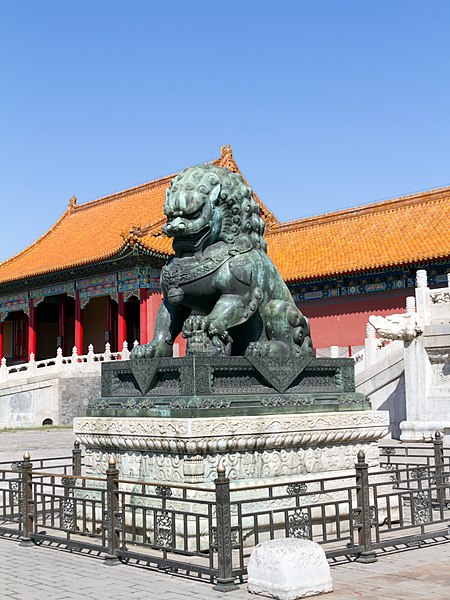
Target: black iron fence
x,y
209,531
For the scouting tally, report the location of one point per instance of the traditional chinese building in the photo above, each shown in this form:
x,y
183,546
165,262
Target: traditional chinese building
x,y
94,276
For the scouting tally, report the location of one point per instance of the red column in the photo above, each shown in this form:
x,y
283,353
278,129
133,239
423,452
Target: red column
x,y
32,329
78,324
1,340
108,326
62,324
143,316
121,323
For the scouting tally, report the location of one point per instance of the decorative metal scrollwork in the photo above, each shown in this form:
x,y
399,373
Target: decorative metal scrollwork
x,y
421,508
68,482
67,514
295,489
418,473
15,487
118,526
234,536
394,477
299,524
388,451
163,491
16,466
356,517
373,514
163,529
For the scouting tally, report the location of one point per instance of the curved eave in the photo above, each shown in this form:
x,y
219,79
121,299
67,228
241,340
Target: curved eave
x,y
116,253
376,267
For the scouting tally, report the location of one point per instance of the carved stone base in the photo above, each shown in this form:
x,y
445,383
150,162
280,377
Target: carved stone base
x,y
252,449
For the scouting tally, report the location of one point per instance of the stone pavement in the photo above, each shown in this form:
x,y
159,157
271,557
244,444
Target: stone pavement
x,y
40,443
52,572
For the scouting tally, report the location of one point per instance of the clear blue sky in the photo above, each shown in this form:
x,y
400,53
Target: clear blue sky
x,y
326,104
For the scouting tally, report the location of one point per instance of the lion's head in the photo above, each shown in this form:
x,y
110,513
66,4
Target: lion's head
x,y
207,204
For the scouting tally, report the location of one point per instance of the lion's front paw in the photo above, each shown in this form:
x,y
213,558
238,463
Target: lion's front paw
x,y
194,324
158,350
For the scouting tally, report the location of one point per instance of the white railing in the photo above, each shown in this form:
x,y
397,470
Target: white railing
x,y
60,364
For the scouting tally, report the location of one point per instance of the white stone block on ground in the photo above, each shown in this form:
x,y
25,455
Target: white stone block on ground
x,y
288,569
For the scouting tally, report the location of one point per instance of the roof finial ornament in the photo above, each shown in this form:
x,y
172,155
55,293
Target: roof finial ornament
x,y
226,158
72,202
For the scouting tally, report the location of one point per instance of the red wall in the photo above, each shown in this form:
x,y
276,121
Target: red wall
x,y
342,321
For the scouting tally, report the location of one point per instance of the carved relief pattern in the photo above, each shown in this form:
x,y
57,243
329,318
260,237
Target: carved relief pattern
x,y
440,364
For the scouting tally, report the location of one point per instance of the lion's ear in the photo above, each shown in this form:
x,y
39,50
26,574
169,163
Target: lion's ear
x,y
214,194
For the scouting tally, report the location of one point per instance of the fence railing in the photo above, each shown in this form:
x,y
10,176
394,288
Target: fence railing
x,y
209,531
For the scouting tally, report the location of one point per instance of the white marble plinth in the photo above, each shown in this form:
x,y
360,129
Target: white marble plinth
x,y
289,569
424,431
188,450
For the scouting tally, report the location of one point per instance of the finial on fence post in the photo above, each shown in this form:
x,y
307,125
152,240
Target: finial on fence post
x,y
125,355
3,370
90,357
32,365
59,358
74,356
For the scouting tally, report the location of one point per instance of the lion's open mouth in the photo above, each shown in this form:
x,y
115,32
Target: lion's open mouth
x,y
191,243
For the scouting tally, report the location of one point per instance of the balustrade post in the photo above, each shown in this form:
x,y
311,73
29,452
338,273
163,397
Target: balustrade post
x,y
225,579
76,458
107,352
31,366
59,359
3,371
90,357
363,521
125,354
112,505
438,444
26,505
75,357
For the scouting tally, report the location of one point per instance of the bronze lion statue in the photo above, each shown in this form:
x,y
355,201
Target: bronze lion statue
x,y
221,290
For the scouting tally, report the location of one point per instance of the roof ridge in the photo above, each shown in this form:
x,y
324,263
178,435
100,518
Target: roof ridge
x,y
393,204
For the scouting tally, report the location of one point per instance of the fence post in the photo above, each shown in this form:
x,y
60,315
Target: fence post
x,y
438,444
76,458
26,501
363,502
112,507
225,579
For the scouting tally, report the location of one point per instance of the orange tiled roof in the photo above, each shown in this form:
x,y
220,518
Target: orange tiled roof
x,y
100,229
407,230
403,231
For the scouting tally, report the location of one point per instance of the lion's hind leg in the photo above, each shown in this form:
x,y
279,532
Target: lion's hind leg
x,y
287,331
